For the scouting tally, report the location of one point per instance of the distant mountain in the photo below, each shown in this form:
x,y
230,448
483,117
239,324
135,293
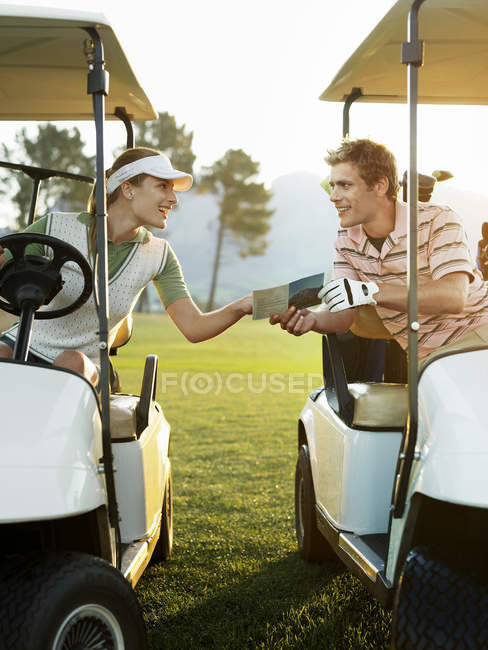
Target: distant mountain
x,y
303,230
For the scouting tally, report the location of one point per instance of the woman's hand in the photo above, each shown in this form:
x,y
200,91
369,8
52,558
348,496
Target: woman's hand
x,y
246,304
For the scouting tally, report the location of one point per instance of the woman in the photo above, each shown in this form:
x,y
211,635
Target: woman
x,y
141,186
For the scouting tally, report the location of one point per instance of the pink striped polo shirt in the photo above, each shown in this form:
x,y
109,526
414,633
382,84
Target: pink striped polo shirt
x,y
443,249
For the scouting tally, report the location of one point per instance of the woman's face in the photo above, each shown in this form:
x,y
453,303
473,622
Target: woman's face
x,y
152,200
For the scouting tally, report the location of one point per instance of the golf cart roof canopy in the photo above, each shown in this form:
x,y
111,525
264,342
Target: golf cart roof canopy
x,y
43,69
455,36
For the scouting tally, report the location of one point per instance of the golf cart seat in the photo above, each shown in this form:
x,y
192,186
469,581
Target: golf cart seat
x,y
369,352
124,332
131,414
379,406
361,405
123,416
7,320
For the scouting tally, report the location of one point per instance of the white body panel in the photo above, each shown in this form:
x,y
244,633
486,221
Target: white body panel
x,y
452,438
453,429
141,469
50,445
353,470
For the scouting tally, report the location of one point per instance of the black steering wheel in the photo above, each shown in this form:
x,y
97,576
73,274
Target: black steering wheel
x,y
36,279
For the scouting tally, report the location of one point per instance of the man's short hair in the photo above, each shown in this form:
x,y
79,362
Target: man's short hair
x,y
373,161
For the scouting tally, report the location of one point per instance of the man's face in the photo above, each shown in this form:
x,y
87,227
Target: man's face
x,y
354,201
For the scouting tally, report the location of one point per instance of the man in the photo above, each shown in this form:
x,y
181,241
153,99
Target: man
x,y
370,265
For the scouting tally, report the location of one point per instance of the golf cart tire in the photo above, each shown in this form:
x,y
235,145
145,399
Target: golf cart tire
x,y
439,606
312,544
47,598
164,545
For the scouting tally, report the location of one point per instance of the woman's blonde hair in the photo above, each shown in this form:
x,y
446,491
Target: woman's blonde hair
x,y
128,156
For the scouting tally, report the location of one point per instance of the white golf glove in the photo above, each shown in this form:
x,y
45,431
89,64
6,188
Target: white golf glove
x,y
344,294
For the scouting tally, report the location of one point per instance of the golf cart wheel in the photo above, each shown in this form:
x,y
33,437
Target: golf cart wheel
x,y
67,602
438,606
164,545
311,543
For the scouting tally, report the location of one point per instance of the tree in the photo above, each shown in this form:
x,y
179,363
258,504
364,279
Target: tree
x,y
60,149
166,136
243,207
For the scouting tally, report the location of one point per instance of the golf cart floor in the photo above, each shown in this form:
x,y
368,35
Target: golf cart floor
x,y
369,551
134,560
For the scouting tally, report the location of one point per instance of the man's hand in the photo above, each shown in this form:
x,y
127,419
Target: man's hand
x,y
296,322
344,293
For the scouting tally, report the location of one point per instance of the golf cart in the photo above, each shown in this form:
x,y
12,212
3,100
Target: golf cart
x,y
85,477
391,476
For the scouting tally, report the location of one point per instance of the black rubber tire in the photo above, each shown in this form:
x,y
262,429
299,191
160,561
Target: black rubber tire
x,y
45,596
438,606
164,545
312,545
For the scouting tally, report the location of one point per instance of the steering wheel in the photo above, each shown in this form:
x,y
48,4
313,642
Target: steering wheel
x,y
38,279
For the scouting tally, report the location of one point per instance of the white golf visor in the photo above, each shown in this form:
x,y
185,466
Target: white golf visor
x,y
158,166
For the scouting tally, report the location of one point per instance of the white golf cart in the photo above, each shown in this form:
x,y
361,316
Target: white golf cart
x,y
391,475
85,498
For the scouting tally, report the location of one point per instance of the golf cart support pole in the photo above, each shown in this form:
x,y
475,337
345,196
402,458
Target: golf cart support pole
x,y
21,349
98,88
353,95
39,174
122,114
412,56
33,201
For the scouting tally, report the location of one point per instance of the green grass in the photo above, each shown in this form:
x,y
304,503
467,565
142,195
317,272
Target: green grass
x,y
235,579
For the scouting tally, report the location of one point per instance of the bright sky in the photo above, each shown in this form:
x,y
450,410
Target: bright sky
x,y
248,75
